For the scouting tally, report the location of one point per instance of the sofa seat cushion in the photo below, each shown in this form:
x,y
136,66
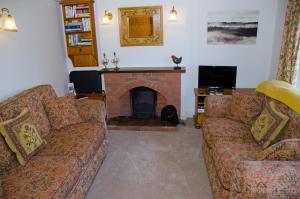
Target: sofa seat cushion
x,y
79,140
42,177
217,130
228,156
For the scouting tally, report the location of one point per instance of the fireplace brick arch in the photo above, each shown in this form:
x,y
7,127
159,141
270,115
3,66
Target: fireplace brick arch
x,y
118,86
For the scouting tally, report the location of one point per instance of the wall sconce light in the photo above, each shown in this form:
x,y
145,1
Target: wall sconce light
x,y
173,15
9,22
107,18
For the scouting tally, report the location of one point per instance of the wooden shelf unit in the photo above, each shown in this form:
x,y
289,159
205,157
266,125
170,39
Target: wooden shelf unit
x,y
200,95
81,55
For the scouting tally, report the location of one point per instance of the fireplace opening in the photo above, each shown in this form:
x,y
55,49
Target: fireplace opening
x,y
143,102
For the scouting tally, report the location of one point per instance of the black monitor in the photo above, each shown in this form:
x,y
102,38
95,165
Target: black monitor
x,y
217,76
86,81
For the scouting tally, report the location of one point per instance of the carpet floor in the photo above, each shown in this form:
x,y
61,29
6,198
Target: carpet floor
x,y
153,165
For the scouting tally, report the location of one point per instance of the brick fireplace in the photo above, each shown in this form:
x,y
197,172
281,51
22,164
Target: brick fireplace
x,y
165,81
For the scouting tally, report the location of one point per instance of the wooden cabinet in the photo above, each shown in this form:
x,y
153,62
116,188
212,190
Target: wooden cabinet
x,y
80,32
200,95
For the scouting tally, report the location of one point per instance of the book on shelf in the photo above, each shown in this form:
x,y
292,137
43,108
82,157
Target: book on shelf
x,y
82,6
84,44
86,22
80,10
78,40
83,24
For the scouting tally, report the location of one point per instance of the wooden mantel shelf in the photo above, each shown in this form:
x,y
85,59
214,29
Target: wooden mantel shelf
x,y
145,70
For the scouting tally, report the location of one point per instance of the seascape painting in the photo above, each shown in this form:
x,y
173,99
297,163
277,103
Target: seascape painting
x,y
232,27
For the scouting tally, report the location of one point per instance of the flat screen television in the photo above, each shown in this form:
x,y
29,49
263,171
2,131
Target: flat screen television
x,y
217,76
86,81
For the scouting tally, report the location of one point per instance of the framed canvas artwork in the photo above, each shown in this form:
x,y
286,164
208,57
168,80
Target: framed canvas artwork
x,y
232,27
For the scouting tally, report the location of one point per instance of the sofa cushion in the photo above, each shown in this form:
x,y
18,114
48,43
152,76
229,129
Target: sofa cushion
x,y
12,107
43,177
246,106
292,129
216,130
31,99
229,155
8,159
217,106
267,129
78,140
62,112
285,150
22,136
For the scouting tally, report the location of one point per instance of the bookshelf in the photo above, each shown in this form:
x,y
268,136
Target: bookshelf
x,y
80,32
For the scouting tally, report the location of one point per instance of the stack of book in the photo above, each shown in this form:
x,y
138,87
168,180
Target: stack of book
x,y
78,25
78,40
80,10
74,26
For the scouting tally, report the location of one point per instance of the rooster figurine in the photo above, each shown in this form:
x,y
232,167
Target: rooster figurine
x,y
176,60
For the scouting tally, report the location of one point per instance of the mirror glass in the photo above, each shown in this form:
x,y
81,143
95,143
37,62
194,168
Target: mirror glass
x,y
140,26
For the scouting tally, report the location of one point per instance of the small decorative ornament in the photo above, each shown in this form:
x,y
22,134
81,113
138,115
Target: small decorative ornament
x,y
115,61
177,61
105,62
71,88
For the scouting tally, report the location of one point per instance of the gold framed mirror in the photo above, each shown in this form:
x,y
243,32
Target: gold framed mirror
x,y
141,26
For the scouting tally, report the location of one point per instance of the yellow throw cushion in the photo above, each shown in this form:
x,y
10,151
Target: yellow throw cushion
x,y
268,126
22,136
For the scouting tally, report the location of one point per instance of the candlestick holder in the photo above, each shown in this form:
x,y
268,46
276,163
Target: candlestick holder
x,y
105,62
115,61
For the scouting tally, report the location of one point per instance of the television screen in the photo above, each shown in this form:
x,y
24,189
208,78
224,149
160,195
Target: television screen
x,y
217,76
86,81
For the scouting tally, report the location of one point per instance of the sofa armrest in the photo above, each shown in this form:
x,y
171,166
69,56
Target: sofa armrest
x,y
217,105
91,110
267,179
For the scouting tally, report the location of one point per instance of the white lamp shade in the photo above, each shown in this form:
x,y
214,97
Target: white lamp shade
x,y
10,24
106,19
173,15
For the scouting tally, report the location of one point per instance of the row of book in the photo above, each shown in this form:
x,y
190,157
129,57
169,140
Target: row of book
x,y
78,25
201,109
79,10
79,40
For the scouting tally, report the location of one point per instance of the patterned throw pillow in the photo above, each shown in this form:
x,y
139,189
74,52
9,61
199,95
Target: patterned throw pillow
x,y
62,112
285,150
267,128
22,136
246,106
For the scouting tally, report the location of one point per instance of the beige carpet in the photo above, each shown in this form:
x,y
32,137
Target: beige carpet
x,y
153,165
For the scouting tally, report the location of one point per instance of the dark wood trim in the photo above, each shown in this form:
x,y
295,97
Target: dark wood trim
x,y
145,70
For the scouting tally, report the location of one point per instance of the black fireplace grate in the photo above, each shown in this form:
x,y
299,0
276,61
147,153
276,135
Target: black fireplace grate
x,y
143,102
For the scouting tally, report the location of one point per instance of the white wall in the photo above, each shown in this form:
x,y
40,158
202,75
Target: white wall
x,y
187,38
34,55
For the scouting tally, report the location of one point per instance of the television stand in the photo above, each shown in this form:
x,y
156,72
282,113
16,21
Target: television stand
x,y
200,95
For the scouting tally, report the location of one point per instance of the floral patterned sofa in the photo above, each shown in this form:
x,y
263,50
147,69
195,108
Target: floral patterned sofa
x,y
67,165
234,160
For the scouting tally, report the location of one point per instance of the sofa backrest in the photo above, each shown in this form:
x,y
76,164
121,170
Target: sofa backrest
x,y
292,129
33,100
